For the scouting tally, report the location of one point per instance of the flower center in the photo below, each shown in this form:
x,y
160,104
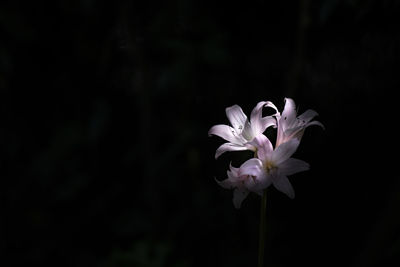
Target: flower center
x,y
269,166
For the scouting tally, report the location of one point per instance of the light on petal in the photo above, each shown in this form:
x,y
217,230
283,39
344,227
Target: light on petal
x,y
236,117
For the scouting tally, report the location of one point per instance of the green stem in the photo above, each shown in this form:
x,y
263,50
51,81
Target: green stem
x,y
261,244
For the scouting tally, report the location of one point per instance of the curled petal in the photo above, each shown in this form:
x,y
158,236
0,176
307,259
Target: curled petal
x,y
283,184
257,111
259,123
268,122
271,105
285,151
236,117
229,147
292,166
315,123
232,172
252,167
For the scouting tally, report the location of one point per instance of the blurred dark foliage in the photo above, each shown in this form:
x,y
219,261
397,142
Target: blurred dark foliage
x,y
104,113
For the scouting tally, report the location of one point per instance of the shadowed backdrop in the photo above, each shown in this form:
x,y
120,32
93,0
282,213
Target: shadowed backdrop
x,y
105,108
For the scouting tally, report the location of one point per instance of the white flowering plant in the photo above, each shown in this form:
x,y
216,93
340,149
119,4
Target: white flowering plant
x,y
271,165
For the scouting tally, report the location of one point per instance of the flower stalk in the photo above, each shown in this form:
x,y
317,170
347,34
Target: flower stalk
x,y
261,242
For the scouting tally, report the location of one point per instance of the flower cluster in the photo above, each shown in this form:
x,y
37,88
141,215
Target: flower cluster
x,y
270,165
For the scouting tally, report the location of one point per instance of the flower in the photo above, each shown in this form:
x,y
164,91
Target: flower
x,y
292,126
243,130
272,166
242,185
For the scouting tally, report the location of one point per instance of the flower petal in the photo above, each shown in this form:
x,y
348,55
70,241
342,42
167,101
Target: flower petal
x,y
232,172
283,184
260,183
239,194
271,105
315,123
298,131
285,151
236,117
294,131
248,132
255,118
289,113
307,116
252,167
292,166
258,123
256,113
229,147
280,136
227,183
264,147
267,122
226,132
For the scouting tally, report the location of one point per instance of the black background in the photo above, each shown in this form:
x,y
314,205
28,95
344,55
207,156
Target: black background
x,y
104,114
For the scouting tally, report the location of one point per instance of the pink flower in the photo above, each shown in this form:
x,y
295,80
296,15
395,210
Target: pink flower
x,y
242,185
292,126
272,166
243,130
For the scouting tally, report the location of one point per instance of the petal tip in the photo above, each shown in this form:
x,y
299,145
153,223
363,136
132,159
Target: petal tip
x,y
217,154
